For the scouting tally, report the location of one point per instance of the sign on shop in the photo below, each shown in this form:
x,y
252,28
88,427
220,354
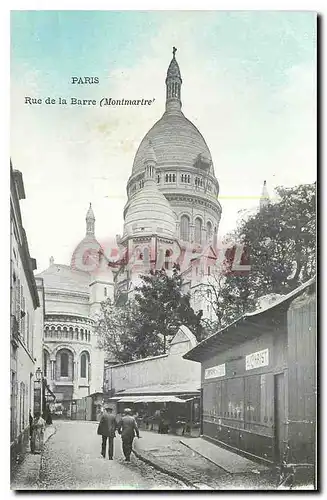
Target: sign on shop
x,y
215,371
257,359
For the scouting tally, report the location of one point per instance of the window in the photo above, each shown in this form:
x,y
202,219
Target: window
x,y
198,230
209,231
28,330
105,291
64,364
185,228
83,366
158,179
45,363
209,270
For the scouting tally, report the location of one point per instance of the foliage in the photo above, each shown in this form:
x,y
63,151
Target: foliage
x,y
143,326
279,243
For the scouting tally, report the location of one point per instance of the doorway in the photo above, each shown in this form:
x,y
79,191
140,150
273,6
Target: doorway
x,y
279,416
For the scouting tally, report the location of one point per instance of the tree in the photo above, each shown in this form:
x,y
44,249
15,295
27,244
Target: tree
x,y
143,326
164,307
279,243
121,332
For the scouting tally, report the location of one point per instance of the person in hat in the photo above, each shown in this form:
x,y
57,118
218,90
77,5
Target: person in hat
x,y
107,429
128,429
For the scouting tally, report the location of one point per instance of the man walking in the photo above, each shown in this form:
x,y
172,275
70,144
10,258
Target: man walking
x,y
128,428
107,429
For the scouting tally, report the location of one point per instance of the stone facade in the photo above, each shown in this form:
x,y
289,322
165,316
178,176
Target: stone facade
x,y
183,172
26,317
72,362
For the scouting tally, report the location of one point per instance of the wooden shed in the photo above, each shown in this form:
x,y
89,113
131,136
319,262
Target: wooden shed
x,y
259,380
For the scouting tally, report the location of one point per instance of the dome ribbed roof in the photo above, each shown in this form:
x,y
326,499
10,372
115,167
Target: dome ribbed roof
x,y
149,212
176,141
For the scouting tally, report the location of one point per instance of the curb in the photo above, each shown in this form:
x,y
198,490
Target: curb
x,y
200,454
161,468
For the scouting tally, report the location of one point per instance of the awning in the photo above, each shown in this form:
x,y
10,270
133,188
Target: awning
x,y
152,399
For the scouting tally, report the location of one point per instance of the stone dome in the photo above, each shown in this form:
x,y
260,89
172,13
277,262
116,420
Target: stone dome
x,y
175,140
149,212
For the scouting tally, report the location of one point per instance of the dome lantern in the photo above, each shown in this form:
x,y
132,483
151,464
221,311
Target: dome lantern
x,y
173,86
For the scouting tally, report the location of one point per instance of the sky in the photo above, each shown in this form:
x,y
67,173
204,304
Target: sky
x,y
249,85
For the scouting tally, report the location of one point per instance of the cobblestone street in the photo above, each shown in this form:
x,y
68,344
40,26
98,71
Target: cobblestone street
x,y
72,461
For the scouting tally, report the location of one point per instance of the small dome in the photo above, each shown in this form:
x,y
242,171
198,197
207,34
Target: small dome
x,y
149,212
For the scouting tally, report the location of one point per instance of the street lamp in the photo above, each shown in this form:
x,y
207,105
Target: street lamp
x,y
38,374
38,391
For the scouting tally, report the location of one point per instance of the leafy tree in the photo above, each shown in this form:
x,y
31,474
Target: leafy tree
x,y
163,306
143,326
279,243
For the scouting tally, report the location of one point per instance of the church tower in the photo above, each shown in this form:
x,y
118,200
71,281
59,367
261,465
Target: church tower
x,y
184,169
264,199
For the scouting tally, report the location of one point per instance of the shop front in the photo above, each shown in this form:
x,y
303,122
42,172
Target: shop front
x,y
163,413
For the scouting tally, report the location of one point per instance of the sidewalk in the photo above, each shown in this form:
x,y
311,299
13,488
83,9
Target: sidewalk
x,y
26,475
200,464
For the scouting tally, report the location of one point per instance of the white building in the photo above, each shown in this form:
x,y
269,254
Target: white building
x,y
26,323
72,362
172,213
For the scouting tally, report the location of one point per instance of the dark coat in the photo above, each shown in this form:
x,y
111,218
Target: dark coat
x,y
128,427
107,425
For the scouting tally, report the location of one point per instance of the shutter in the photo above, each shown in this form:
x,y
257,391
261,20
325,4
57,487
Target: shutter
x,y
18,304
23,319
28,330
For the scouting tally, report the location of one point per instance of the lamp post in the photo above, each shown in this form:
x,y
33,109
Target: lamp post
x,y
38,391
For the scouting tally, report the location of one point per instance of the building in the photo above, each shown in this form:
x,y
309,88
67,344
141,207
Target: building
x,y
72,362
26,317
172,209
166,382
259,380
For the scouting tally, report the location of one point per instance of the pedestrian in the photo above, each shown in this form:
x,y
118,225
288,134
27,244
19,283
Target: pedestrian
x,y
38,432
32,443
128,428
48,417
107,429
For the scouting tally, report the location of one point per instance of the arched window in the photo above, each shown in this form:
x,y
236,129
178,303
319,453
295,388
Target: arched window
x,y
45,363
83,365
198,230
209,231
64,364
185,228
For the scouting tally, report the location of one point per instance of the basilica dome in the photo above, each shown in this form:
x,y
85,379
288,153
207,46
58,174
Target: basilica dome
x,y
176,141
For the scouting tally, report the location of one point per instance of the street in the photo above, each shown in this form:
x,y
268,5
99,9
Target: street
x,y
72,461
